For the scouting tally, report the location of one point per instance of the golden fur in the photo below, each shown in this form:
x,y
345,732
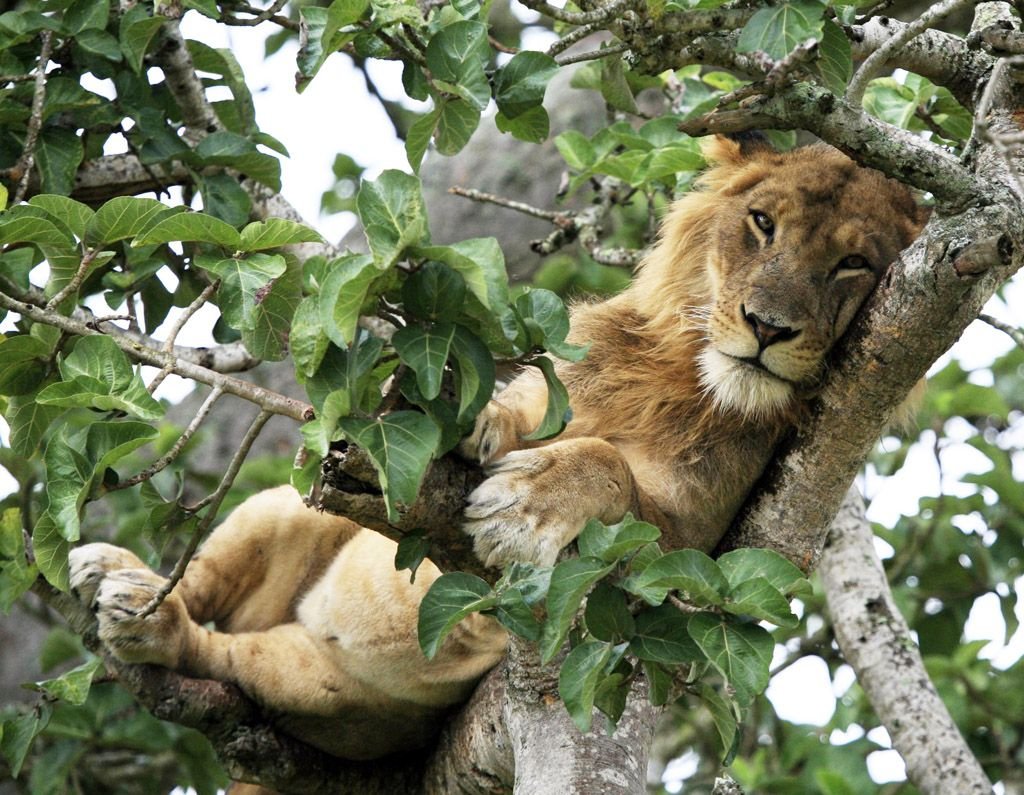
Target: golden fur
x,y
692,375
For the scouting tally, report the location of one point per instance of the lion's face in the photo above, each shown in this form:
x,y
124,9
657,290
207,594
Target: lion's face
x,y
797,242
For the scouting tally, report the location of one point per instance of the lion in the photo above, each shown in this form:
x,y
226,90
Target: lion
x,y
693,374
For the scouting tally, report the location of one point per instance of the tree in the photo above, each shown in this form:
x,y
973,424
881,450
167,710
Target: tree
x,y
395,351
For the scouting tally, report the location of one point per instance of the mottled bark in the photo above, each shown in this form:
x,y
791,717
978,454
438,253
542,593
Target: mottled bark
x,y
876,641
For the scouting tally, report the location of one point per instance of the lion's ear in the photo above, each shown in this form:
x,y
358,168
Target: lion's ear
x,y
733,149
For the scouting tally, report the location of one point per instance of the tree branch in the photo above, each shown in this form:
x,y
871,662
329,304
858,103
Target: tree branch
x,y
876,641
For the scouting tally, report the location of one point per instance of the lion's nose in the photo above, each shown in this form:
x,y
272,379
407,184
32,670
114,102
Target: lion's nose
x,y
767,333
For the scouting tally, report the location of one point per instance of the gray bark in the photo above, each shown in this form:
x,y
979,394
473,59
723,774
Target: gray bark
x,y
876,641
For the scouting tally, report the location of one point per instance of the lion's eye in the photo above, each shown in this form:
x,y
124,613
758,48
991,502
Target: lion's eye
x,y
854,265
763,222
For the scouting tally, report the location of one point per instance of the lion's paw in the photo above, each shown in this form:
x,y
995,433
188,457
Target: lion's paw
x,y
494,435
518,513
90,563
118,586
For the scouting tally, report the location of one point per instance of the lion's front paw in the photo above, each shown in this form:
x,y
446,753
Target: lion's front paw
x,y
160,637
493,436
90,563
522,512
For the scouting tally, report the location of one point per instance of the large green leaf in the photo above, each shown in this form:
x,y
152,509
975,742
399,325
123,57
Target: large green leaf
x,y
73,214
276,232
520,85
745,564
547,322
578,680
607,614
557,413
272,315
689,571
71,686
191,227
475,373
451,598
97,374
456,56
393,216
236,151
123,217
22,364
570,581
343,294
322,34
740,652
425,351
611,542
434,291
759,598
136,33
778,30
244,282
28,420
401,446
661,636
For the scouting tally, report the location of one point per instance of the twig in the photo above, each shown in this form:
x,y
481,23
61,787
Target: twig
x,y
187,314
874,62
214,502
264,398
601,14
572,37
260,15
171,455
1016,334
35,120
593,55
489,198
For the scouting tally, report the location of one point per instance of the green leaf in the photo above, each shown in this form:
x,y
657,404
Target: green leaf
x,y
515,614
547,322
578,153
51,550
615,87
224,198
97,374
274,309
321,35
456,56
760,599
689,571
475,373
59,153
393,216
570,581
343,294
519,86
18,734
23,360
307,340
532,126
457,120
425,352
578,680
417,139
726,717
189,226
136,34
435,291
661,636
73,214
16,577
835,62
244,282
18,226
451,598
740,652
123,217
778,30
276,232
607,614
400,445
412,551
612,542
745,564
28,420
236,151
557,413
72,686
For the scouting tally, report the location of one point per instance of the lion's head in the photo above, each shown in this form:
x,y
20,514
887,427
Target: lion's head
x,y
772,259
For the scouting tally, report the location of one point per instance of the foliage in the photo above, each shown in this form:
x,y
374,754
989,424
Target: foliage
x,y
94,456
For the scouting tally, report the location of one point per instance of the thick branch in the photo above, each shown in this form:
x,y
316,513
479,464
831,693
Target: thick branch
x,y
876,641
873,143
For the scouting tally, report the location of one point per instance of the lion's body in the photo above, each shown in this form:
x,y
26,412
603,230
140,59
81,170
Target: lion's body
x,y
692,376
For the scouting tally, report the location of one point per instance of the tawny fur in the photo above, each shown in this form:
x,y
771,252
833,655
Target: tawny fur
x,y
676,410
